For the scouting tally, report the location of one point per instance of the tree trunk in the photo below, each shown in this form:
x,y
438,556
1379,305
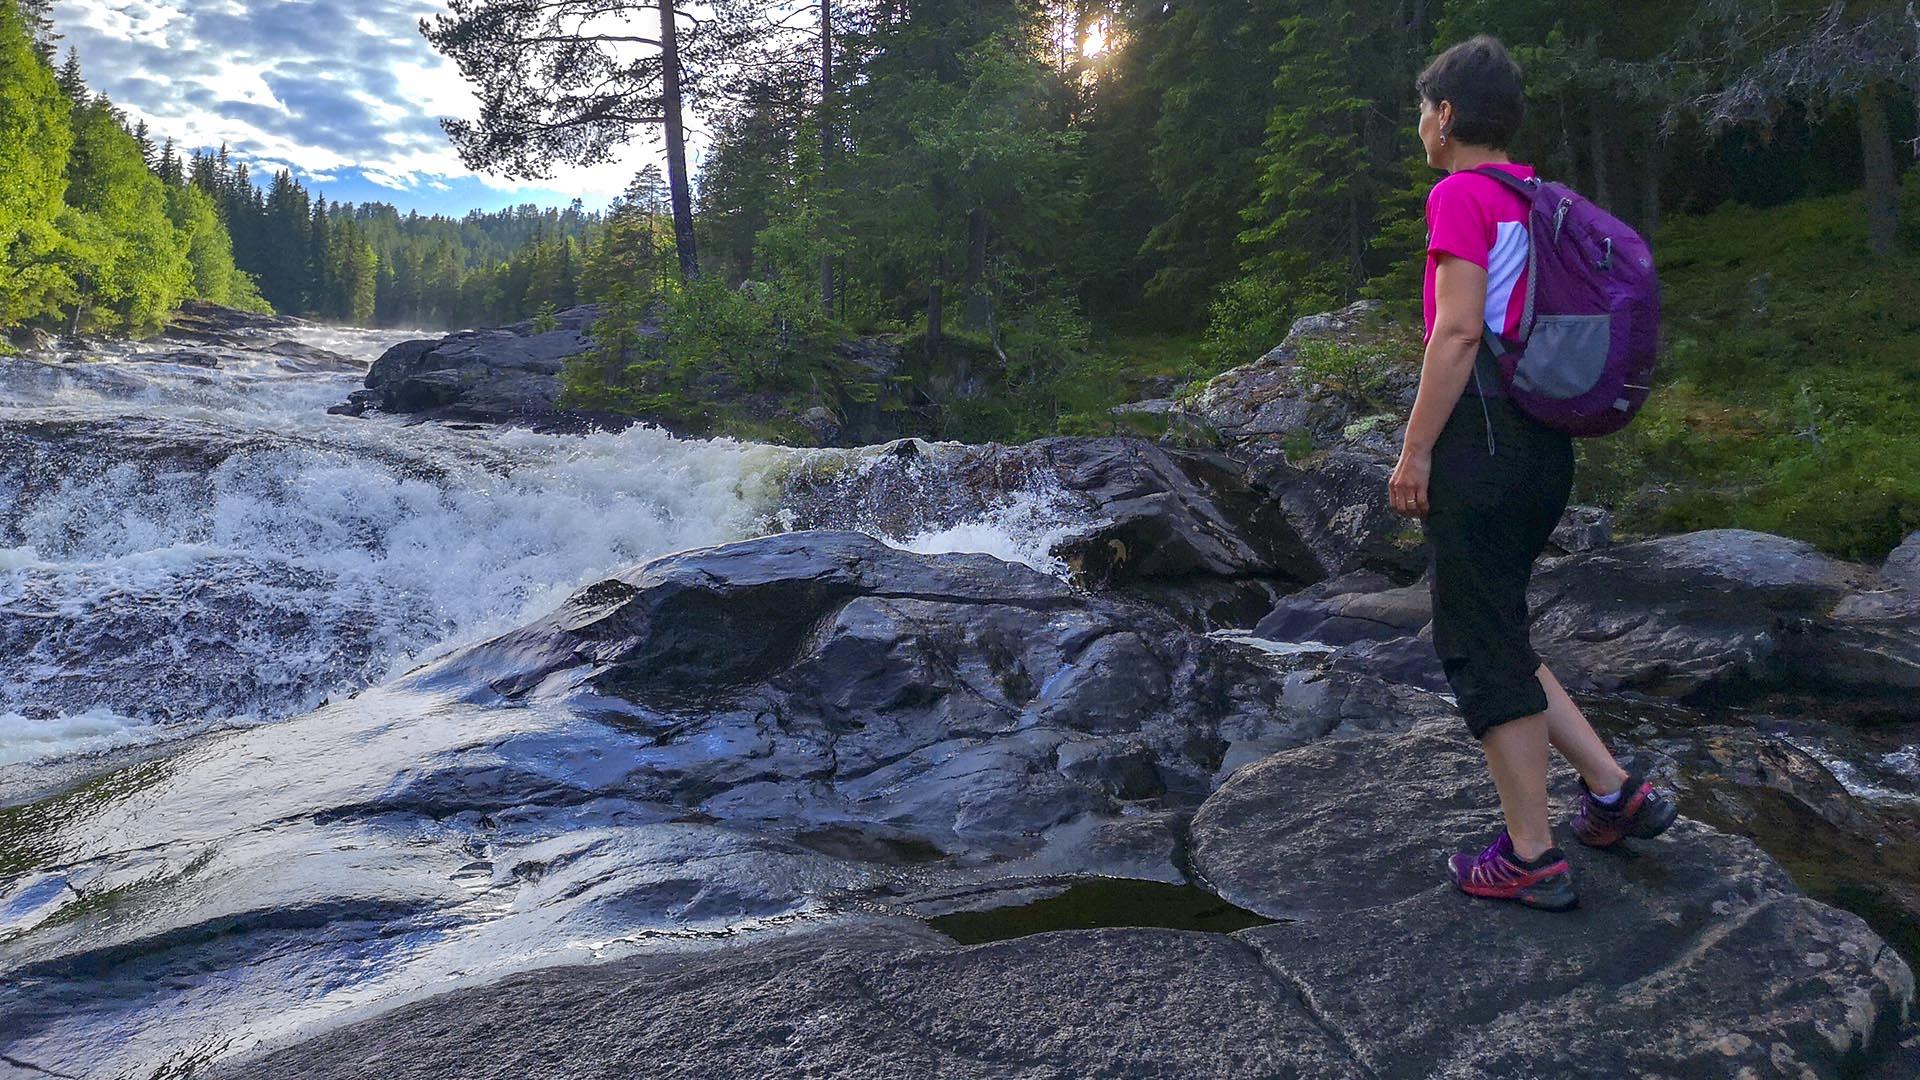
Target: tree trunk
x,y
681,190
978,303
1882,184
826,141
1650,195
934,328
1597,145
1566,144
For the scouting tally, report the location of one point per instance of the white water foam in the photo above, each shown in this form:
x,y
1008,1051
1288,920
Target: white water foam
x,y
421,537
92,731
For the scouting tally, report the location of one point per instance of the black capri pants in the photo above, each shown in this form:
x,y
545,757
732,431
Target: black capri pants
x,y
1499,485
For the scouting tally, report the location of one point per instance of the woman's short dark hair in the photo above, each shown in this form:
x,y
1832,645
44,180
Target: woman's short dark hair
x,y
1489,98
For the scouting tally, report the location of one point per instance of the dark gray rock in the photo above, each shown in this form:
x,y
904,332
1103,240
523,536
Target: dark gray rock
x,y
1721,612
305,357
1692,955
878,1002
1181,529
211,324
1323,454
1902,565
933,693
1348,609
1582,528
506,375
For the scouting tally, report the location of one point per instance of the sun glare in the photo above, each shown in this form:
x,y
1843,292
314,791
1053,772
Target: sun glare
x,y
1095,41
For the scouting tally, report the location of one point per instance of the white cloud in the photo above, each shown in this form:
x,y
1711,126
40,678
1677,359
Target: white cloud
x,y
319,85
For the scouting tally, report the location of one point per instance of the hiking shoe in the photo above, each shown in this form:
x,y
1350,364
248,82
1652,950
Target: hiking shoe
x,y
1498,874
1642,811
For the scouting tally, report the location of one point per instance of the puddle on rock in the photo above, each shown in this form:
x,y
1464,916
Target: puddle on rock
x,y
1095,903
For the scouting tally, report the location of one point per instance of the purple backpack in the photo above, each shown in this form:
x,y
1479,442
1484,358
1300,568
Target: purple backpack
x,y
1583,360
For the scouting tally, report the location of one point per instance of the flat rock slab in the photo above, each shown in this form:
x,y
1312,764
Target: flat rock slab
x,y
884,1002
1691,955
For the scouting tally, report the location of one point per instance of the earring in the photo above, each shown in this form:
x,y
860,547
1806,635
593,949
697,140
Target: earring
x,y
1443,138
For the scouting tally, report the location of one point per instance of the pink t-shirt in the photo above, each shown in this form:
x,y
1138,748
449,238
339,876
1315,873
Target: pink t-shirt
x,y
1477,219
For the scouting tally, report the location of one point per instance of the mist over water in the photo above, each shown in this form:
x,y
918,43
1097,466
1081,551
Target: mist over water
x,y
184,547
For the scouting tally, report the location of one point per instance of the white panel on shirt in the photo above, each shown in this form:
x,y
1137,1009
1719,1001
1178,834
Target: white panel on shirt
x,y
1505,264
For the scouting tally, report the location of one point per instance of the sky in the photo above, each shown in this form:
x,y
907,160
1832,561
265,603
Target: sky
x,y
346,93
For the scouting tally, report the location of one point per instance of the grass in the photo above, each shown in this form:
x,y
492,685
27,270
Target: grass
x,y
1789,389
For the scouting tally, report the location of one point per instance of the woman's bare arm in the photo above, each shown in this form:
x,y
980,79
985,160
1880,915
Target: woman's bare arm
x,y
1460,295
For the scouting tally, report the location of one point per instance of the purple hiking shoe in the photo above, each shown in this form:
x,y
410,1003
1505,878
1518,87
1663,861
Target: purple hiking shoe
x,y
1643,811
1499,874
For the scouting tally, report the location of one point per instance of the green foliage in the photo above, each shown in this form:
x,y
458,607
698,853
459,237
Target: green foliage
x,y
128,262
1788,390
1361,373
35,138
545,322
1249,315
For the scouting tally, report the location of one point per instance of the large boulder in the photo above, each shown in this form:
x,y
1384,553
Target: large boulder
x,y
212,324
1725,612
1317,423
774,733
935,694
505,375
1180,528
1718,615
1693,955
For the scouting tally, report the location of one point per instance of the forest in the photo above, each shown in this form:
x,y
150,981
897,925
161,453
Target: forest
x,y
1060,205
106,228
1055,206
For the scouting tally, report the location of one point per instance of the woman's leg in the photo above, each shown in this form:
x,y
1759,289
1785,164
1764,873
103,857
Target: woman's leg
x,y
1574,737
1517,757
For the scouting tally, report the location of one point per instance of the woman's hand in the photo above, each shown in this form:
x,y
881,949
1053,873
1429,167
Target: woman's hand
x,y
1408,488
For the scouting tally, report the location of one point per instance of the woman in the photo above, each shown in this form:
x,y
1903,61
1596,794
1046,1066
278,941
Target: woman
x,y
1491,484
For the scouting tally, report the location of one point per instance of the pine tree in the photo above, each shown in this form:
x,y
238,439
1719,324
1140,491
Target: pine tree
x,y
169,167
322,289
525,60
71,82
144,142
39,22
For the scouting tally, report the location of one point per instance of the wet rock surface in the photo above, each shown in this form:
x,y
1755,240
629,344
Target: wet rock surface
x,y
1708,616
1722,612
1691,955
1179,528
867,1002
1703,960
720,743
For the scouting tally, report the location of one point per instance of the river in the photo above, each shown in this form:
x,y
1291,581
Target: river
x,y
157,516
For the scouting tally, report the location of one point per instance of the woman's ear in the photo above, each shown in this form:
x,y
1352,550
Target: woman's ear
x,y
1446,118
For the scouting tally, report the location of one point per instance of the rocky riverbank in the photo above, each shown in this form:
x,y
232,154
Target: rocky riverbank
x,y
724,812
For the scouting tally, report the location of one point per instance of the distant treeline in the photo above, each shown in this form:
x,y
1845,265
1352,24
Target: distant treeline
x,y
103,231
369,264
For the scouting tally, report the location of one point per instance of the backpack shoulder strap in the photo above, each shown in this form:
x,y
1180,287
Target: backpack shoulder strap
x,y
1522,188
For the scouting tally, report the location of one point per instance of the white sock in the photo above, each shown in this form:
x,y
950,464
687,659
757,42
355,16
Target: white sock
x,y
1609,800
